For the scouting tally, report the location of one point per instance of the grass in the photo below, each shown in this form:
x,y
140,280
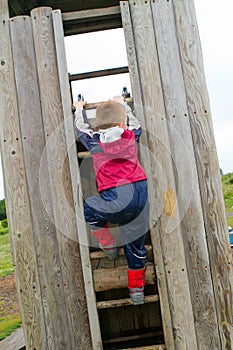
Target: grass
x,y
6,267
8,324
230,221
227,185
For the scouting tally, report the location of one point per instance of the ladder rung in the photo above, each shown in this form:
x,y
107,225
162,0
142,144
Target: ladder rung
x,y
96,104
133,337
101,255
84,154
124,302
117,278
150,347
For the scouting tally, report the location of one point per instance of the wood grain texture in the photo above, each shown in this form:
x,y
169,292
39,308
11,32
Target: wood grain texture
x,y
140,114
94,330
117,278
44,230
101,12
60,182
171,261
189,200
16,192
124,302
151,347
207,166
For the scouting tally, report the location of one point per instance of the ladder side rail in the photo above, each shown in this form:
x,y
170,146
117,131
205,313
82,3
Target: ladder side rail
x,y
76,182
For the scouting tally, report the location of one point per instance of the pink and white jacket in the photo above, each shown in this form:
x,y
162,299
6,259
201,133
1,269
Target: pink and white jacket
x,y
114,151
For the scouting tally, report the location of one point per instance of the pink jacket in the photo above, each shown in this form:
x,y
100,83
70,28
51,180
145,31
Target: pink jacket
x,y
118,164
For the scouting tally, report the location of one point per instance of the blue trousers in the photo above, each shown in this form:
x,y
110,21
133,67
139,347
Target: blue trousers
x,y
127,206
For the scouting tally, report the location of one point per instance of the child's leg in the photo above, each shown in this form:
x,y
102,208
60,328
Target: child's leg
x,y
99,226
133,237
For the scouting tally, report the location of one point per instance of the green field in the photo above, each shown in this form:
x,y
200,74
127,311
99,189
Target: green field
x,y
6,267
8,324
227,185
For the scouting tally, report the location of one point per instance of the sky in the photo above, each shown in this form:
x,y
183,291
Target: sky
x,y
215,22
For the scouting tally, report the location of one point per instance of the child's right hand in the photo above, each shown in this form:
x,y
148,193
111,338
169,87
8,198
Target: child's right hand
x,y
119,99
79,104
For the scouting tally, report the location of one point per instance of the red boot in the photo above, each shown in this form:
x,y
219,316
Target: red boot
x,y
106,242
136,281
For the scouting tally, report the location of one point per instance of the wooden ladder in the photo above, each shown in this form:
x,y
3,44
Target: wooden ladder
x,y
122,325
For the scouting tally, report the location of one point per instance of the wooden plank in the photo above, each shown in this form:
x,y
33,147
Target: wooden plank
x,y
187,183
150,347
140,113
17,201
36,167
124,302
68,252
87,14
95,334
133,337
14,342
99,73
207,166
74,28
78,22
101,255
117,278
164,226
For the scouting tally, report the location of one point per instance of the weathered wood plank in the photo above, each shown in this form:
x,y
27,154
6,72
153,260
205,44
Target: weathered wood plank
x,y
60,182
14,342
77,22
31,123
148,99
188,199
207,166
124,302
87,14
76,185
151,347
140,113
17,201
99,73
117,278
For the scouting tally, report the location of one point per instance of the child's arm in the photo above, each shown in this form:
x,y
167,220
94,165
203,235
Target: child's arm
x,y
83,131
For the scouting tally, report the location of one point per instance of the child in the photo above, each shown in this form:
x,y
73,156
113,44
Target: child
x,y
122,186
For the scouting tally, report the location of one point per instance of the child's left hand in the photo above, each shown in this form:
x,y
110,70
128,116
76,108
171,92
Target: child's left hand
x,y
79,104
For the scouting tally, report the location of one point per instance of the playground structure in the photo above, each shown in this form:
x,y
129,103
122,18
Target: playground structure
x,y
190,299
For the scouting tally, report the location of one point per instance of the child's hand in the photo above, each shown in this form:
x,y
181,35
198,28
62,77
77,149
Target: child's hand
x,y
119,99
79,104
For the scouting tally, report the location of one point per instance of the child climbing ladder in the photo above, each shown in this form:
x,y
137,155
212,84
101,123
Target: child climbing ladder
x,y
122,186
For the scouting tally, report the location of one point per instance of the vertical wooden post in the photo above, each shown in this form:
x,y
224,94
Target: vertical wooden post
x,y
189,200
76,181
44,230
207,166
16,192
60,181
170,261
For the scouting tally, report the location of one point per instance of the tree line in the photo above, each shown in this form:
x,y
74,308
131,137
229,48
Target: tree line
x,y
2,210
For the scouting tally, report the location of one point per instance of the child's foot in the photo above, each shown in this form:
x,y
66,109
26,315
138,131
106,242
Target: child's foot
x,y
111,253
136,281
137,297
